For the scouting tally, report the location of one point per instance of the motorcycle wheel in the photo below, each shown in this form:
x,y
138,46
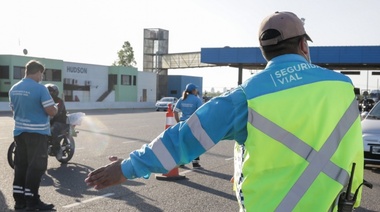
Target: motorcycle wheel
x,y
11,155
67,145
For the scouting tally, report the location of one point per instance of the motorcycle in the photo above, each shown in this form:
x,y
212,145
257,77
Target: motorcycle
x,y
366,105
66,141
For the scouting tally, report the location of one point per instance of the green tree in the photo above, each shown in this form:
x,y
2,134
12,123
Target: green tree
x,y
126,56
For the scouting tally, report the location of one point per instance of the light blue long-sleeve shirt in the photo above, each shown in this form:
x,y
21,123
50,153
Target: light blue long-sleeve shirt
x,y
222,118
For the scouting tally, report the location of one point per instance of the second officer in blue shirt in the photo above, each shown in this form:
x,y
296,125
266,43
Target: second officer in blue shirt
x,y
187,105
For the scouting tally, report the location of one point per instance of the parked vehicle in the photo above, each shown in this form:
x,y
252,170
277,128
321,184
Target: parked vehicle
x,y
374,94
66,141
162,104
371,135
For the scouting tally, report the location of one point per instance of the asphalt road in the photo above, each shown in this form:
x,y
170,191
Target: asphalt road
x,y
118,132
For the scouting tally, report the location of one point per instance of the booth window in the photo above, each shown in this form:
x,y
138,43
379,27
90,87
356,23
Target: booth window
x,y
126,79
52,75
18,72
4,72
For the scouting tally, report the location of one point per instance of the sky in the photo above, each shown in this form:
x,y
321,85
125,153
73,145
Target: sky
x,y
92,31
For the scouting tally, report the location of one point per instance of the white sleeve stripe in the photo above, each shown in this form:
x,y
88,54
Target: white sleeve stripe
x,y
163,154
20,124
48,103
199,133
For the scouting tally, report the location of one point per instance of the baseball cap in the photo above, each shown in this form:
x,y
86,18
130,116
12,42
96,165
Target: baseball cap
x,y
190,87
286,23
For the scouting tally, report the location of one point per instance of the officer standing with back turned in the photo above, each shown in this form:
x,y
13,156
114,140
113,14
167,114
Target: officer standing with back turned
x,y
293,155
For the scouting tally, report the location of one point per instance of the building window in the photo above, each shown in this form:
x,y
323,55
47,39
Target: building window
x,y
134,80
18,72
4,72
52,75
126,79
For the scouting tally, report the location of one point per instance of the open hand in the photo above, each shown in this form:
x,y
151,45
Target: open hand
x,y
106,176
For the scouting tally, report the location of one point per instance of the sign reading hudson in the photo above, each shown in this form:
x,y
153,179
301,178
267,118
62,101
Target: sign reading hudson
x,y
79,70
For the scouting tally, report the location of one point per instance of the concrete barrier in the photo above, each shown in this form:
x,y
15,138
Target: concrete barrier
x,y
4,106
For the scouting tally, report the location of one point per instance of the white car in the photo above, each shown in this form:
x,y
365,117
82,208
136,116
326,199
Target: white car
x,y
163,103
371,135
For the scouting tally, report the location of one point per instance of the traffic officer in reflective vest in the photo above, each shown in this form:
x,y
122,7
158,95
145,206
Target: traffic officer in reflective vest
x,y
297,126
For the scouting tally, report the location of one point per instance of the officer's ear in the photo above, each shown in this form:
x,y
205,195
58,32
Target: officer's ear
x,y
304,46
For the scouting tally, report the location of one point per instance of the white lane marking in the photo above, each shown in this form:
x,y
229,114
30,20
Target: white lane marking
x,y
79,148
89,200
127,142
184,172
229,158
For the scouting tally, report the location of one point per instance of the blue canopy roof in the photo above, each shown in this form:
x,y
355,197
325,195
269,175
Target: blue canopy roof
x,y
333,57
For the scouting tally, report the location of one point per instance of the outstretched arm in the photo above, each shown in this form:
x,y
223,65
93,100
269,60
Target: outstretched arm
x,y
181,143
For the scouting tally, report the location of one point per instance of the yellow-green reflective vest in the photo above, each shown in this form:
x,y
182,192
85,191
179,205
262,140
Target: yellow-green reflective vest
x,y
300,148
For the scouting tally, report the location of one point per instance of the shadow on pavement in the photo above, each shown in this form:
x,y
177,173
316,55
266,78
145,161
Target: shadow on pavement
x,y
3,203
373,168
360,209
213,173
203,188
68,180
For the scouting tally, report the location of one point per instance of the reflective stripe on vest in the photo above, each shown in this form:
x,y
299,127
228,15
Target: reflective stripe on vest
x,y
319,161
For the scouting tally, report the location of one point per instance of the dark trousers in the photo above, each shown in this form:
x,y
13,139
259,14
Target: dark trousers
x,y
57,128
196,160
30,164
